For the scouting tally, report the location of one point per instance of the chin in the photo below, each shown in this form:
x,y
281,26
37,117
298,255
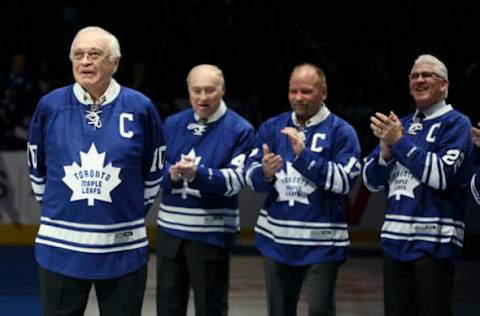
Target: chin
x,y
204,114
86,82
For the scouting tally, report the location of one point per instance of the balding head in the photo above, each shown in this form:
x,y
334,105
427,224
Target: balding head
x,y
309,71
307,91
207,71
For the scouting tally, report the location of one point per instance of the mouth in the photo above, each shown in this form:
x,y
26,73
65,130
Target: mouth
x,y
203,105
421,88
87,73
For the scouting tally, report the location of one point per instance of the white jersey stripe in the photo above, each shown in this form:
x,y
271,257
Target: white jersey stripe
x,y
39,240
335,243
74,225
92,238
197,229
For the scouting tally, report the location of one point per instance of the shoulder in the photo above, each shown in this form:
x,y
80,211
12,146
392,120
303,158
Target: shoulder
x,y
57,95
135,101
457,117
342,125
179,118
453,121
56,99
279,120
135,97
236,121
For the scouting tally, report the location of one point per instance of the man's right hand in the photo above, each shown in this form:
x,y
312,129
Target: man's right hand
x,y
271,163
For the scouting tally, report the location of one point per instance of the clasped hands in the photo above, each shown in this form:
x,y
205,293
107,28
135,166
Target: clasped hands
x,y
184,168
388,129
271,163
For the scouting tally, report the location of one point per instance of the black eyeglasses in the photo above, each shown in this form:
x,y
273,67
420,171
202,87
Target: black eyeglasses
x,y
424,75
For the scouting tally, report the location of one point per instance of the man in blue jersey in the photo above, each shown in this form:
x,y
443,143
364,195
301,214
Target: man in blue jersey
x,y
307,161
198,217
95,157
423,162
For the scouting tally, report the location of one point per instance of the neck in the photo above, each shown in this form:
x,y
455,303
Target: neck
x,y
98,91
302,120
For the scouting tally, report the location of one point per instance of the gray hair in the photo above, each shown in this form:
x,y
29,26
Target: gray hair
x,y
113,43
438,66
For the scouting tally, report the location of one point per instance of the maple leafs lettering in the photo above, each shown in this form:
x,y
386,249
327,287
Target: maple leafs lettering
x,y
292,186
402,182
91,180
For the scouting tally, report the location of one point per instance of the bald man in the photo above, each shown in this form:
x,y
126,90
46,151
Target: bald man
x,y
198,217
306,160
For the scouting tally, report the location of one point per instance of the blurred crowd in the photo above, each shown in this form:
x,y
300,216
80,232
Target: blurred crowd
x,y
365,55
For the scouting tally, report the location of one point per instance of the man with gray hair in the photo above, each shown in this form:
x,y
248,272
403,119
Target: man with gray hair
x,y
423,162
198,218
95,159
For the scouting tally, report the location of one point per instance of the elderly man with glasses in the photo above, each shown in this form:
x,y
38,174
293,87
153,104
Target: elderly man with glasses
x,y
423,162
95,158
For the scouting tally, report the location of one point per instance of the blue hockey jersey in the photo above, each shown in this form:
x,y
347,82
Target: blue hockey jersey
x,y
95,179
303,220
206,209
426,183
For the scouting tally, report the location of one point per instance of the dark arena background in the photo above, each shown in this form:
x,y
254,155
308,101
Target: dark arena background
x,y
366,48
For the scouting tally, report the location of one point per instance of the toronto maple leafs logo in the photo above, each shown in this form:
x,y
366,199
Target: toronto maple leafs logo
x,y
91,180
401,182
292,186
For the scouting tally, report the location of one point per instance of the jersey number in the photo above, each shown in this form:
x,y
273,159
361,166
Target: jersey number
x,y
32,155
157,163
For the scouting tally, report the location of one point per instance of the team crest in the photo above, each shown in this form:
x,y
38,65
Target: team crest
x,y
401,182
91,180
292,186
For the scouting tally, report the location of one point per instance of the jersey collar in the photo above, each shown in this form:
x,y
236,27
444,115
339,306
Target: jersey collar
x,y
215,116
436,110
110,94
318,118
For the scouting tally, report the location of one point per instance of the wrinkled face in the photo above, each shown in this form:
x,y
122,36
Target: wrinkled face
x,y
305,93
92,68
205,91
426,87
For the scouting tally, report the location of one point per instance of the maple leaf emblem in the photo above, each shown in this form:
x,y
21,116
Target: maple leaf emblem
x,y
186,190
401,182
292,186
91,180
193,155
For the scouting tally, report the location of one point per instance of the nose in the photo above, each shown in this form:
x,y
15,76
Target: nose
x,y
85,59
203,95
